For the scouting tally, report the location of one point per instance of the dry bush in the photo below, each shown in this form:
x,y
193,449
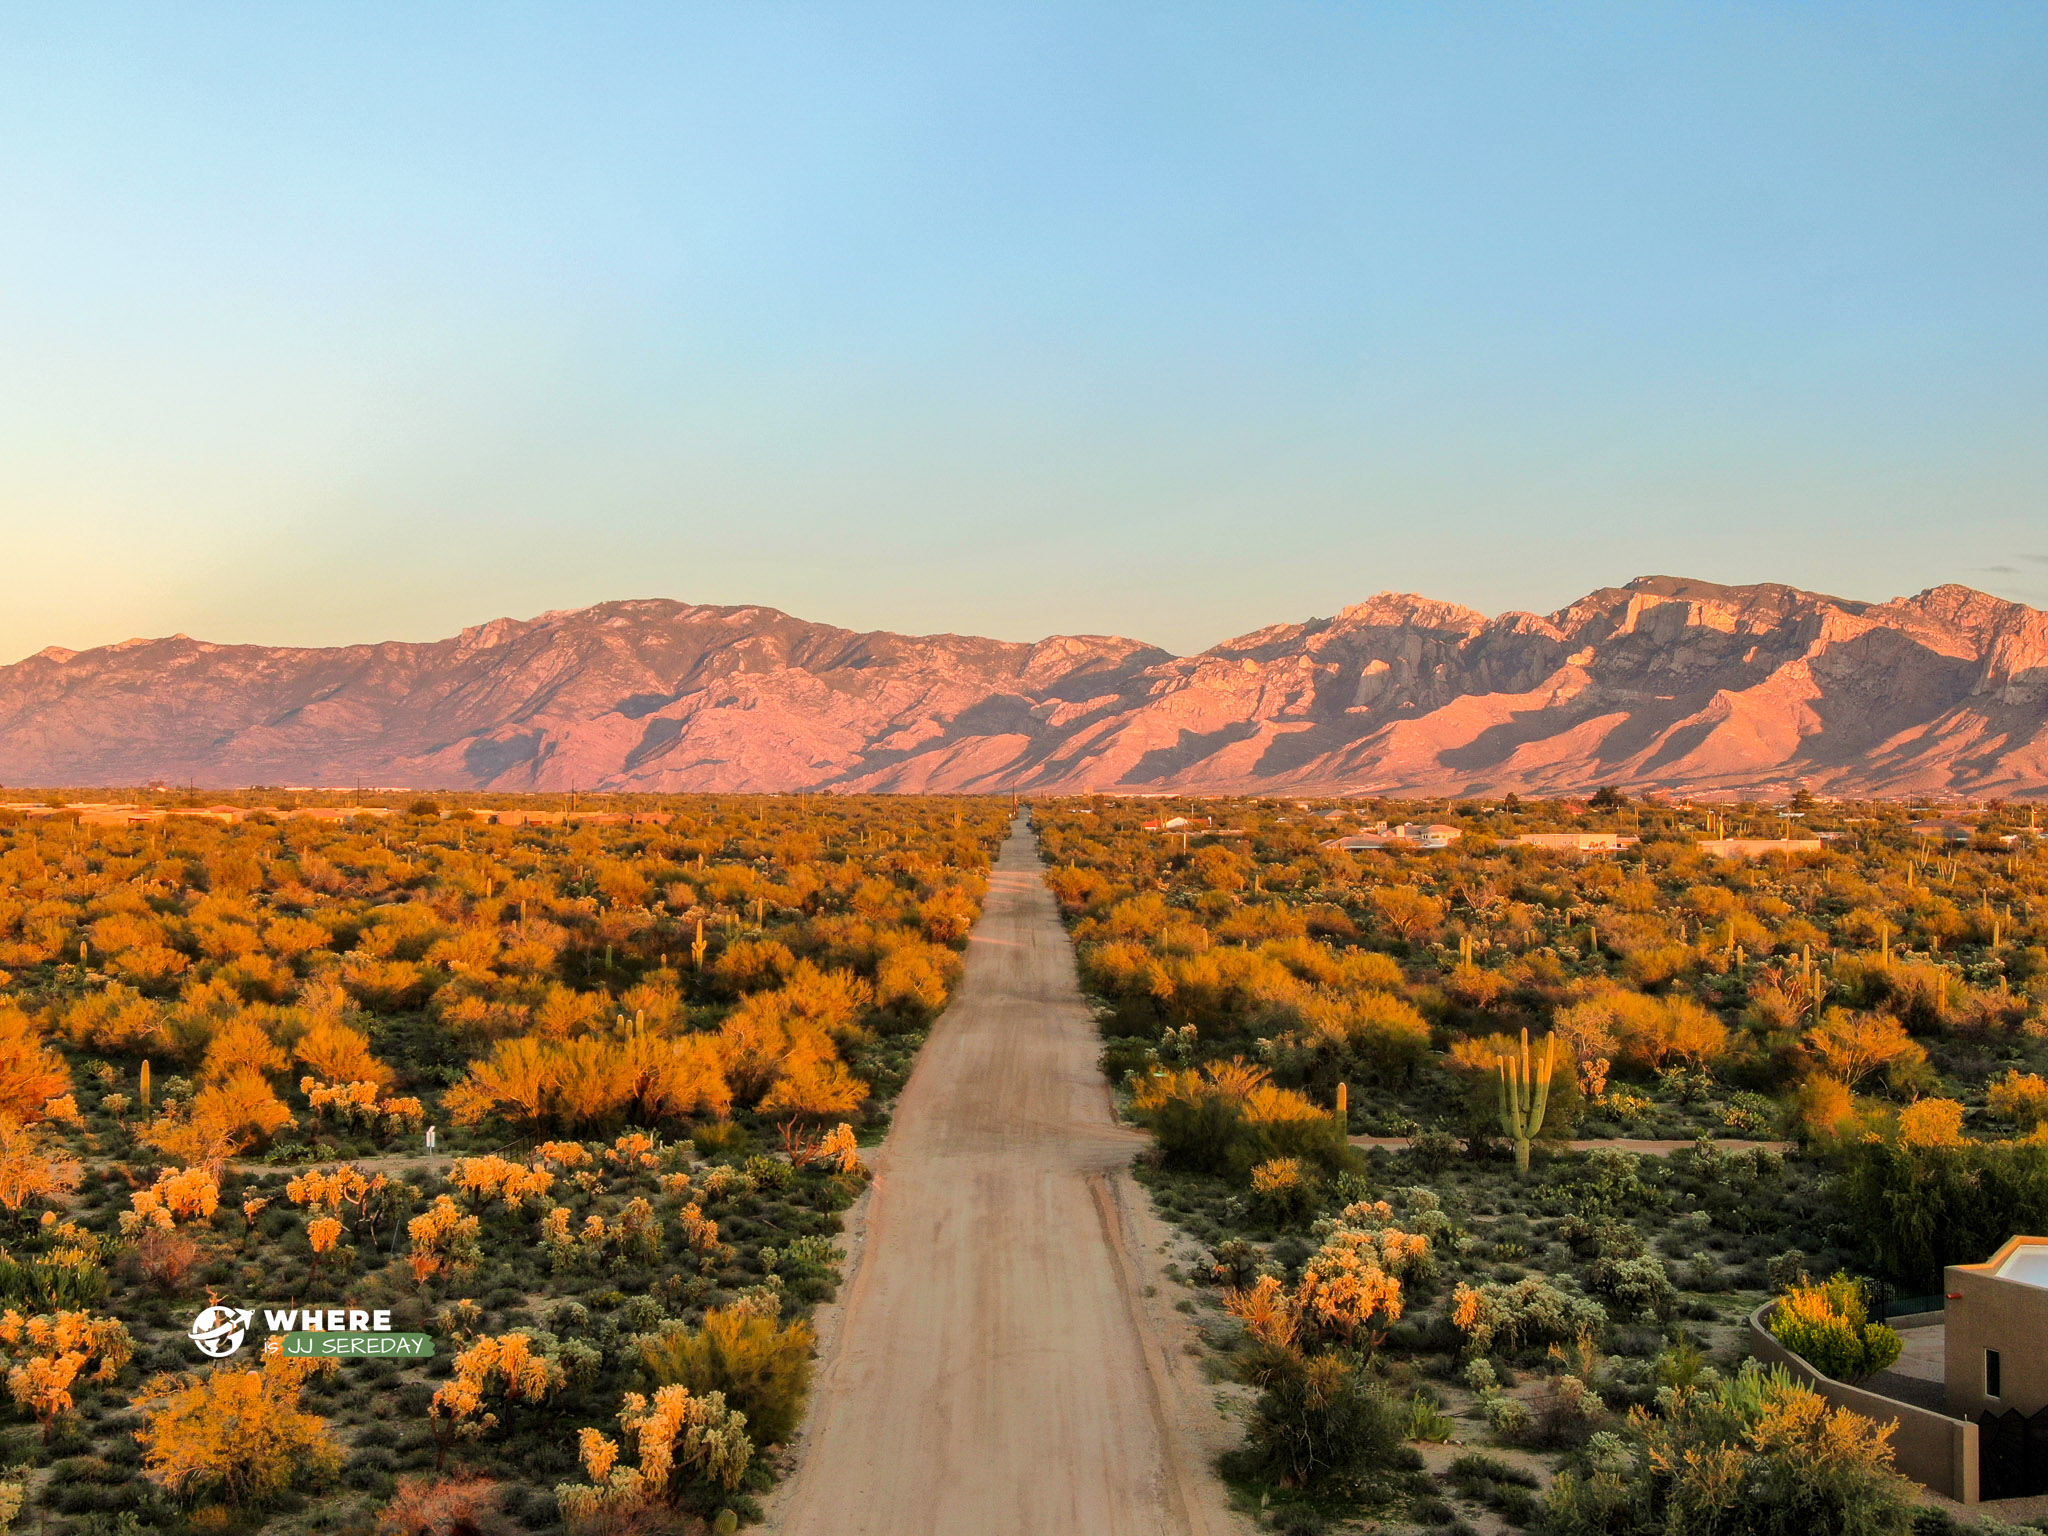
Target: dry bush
x,y
462,1505
165,1259
646,1518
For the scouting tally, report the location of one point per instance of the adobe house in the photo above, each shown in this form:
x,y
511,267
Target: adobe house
x,y
1997,1343
1947,830
1758,847
1580,842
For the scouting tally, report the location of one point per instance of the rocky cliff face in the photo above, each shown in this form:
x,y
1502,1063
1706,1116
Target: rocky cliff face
x,y
1676,684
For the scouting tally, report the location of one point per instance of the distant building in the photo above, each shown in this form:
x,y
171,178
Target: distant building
x,y
1428,836
519,816
91,815
102,813
1947,830
1435,834
1758,847
1579,842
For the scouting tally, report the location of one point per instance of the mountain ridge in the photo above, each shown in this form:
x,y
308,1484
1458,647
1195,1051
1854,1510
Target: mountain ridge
x,y
1665,682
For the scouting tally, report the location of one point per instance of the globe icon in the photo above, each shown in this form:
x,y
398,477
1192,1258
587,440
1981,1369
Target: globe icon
x,y
218,1331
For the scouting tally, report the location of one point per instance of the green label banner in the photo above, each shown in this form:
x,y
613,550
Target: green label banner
x,y
359,1346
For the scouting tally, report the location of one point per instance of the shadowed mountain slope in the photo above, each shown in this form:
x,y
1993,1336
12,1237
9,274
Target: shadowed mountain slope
x,y
1665,682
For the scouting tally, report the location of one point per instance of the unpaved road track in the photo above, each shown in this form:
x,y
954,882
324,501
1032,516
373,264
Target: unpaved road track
x,y
1609,1144
997,1370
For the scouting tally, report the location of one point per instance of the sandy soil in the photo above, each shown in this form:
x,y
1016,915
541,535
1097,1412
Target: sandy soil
x,y
997,1366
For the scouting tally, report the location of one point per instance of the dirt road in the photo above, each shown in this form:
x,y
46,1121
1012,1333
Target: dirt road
x,y
997,1369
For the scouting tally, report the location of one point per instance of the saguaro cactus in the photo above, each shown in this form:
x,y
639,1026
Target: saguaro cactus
x,y
1525,1094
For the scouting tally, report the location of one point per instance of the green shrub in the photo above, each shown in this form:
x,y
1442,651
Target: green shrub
x,y
1198,1134
1787,1270
1284,1192
1631,1288
1497,1484
1595,1504
1467,1472
1508,1417
1756,1455
803,1258
770,1173
1228,1118
1521,1315
1429,1423
1750,1114
1567,1410
1321,1142
721,1139
1609,1183
1828,1326
1319,1425
1602,1237
1433,1151
47,1286
763,1370
1920,1208
1707,1273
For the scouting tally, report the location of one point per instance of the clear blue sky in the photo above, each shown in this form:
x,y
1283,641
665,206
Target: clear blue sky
x,y
325,322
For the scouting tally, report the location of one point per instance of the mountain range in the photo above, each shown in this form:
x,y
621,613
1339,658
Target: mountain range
x,y
1664,683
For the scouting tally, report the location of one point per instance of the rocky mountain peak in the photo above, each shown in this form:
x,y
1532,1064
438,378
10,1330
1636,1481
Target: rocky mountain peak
x,y
1663,682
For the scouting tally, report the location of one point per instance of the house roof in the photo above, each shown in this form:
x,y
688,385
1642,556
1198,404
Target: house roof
x,y
2021,1260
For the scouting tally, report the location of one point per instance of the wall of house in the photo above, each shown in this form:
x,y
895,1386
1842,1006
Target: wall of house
x,y
1933,1449
1985,1312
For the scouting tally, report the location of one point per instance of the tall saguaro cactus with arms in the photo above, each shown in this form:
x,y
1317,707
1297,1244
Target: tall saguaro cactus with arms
x,y
1525,1094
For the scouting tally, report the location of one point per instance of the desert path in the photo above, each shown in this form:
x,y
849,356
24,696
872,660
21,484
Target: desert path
x,y
996,1370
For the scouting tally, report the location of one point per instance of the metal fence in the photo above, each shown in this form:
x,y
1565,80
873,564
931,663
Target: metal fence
x,y
1908,1306
2012,1454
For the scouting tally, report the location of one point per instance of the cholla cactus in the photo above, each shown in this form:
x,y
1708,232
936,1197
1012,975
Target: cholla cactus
x,y
679,1438
555,1238
492,1177
443,1239
1525,1094
179,1194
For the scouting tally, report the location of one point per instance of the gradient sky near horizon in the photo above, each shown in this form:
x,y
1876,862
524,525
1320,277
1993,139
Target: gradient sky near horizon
x,y
326,323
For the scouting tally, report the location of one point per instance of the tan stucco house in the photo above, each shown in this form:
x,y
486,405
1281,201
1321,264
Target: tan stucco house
x,y
1997,1344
